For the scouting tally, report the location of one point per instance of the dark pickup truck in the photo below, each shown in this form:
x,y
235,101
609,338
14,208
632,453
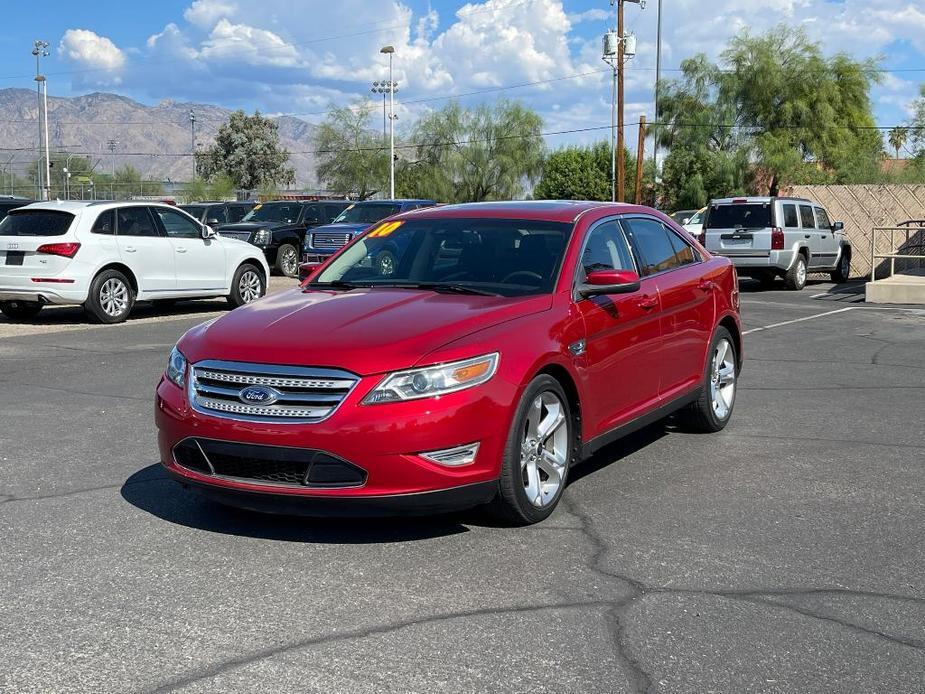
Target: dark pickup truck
x,y
279,228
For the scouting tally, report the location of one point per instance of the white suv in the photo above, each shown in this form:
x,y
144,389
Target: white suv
x,y
107,255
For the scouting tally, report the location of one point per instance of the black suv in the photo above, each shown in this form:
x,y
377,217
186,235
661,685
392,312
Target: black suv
x,y
8,202
279,228
215,213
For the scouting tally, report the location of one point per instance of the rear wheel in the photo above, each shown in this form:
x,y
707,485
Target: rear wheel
x,y
287,260
111,297
20,310
247,285
842,272
540,448
795,278
712,410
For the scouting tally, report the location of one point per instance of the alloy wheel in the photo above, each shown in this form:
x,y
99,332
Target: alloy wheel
x,y
114,297
290,261
544,450
723,379
386,264
801,272
249,286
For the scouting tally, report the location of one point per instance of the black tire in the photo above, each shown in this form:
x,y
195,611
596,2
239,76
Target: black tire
x,y
795,279
843,271
701,416
385,263
20,310
511,503
287,260
239,294
111,297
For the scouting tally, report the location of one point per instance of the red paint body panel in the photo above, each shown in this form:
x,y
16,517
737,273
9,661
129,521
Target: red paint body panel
x,y
639,350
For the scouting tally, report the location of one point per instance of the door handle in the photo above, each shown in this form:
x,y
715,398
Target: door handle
x,y
130,249
181,250
647,303
807,236
705,285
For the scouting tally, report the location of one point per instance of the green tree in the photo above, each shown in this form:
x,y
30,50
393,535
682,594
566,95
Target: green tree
x,y
898,137
584,173
918,122
777,102
489,152
352,159
247,151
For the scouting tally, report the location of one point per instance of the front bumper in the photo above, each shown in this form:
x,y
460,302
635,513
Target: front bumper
x,y
384,441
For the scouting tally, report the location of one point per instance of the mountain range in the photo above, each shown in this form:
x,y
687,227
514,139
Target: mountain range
x,y
147,137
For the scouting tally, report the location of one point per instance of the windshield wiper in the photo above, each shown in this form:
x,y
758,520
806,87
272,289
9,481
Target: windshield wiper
x,y
336,284
446,288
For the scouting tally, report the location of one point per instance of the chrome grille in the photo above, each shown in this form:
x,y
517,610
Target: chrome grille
x,y
239,235
298,395
330,239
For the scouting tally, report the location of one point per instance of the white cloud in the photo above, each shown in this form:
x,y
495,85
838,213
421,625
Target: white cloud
x,y
593,15
241,43
205,13
91,50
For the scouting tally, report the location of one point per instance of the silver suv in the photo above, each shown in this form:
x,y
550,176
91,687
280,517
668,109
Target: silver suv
x,y
775,237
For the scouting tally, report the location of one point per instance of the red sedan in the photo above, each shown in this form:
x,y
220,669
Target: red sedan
x,y
507,342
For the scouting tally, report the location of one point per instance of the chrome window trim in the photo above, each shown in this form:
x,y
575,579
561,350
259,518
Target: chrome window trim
x,y
699,258
305,372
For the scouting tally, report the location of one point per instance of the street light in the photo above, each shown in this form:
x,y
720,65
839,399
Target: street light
x,y
40,50
390,51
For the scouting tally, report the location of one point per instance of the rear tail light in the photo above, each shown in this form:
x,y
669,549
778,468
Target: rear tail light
x,y
65,250
777,239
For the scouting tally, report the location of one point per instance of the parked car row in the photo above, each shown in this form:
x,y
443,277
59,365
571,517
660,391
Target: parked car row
x,y
105,256
503,343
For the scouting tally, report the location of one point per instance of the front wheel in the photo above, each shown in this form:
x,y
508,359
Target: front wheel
x,y
247,286
540,448
20,310
287,260
712,410
111,297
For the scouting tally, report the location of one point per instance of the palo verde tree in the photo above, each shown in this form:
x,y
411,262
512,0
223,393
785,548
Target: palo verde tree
x,y
776,102
247,151
352,159
489,152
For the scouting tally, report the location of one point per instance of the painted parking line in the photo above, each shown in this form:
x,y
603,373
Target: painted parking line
x,y
914,311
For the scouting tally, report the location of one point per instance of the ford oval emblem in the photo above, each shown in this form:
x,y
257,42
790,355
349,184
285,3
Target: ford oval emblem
x,y
259,395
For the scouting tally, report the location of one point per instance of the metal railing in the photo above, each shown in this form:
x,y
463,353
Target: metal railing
x,y
914,231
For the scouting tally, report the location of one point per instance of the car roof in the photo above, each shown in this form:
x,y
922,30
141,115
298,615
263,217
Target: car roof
x,y
393,201
756,199
544,210
74,206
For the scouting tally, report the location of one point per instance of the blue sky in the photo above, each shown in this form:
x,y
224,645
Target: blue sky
x,y
300,56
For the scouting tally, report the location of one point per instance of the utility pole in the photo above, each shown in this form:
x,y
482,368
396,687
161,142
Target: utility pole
x,y
658,81
621,57
112,144
640,158
192,140
40,50
390,51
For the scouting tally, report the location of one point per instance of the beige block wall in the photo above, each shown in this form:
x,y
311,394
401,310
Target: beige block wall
x,y
861,208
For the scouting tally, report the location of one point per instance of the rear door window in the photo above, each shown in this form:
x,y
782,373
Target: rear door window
x,y
791,220
683,252
654,248
105,223
135,221
740,216
806,217
35,223
822,219
217,213
236,212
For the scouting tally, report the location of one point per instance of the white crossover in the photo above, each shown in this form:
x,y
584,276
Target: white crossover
x,y
107,255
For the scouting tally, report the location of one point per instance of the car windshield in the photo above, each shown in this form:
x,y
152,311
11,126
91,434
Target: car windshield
x,y
367,213
740,216
503,257
696,218
35,223
287,213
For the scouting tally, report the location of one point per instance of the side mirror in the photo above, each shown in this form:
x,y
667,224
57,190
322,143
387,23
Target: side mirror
x,y
306,270
686,220
212,221
207,232
838,226
609,282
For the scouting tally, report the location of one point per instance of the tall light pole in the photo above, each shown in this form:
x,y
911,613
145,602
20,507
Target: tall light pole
x,y
390,51
192,140
40,50
381,88
112,144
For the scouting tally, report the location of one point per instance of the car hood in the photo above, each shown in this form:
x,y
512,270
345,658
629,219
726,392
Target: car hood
x,y
342,227
366,331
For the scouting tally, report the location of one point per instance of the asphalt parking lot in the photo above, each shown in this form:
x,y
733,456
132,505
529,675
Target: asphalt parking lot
x,y
786,554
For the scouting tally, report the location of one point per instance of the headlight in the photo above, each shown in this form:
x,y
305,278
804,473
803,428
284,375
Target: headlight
x,y
434,380
262,237
176,367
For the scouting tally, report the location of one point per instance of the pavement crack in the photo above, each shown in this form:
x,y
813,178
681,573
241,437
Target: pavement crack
x,y
9,498
225,666
74,391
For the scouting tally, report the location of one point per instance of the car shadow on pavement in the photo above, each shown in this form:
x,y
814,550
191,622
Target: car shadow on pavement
x,y
151,490
620,449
